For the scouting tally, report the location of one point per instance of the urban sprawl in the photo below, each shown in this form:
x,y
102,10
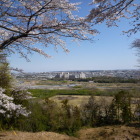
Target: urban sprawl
x,y
71,75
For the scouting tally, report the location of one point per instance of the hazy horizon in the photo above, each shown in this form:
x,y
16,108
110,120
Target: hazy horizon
x,y
82,70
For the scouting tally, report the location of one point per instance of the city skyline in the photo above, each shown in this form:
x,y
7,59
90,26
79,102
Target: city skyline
x,y
71,75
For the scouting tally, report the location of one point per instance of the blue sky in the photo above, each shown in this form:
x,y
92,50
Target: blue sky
x,y
110,50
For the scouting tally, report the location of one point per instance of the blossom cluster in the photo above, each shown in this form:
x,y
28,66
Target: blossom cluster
x,y
21,93
8,108
44,22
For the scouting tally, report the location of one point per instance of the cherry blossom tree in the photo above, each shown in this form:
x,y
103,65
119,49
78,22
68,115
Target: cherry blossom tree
x,y
112,11
8,108
24,23
136,44
12,100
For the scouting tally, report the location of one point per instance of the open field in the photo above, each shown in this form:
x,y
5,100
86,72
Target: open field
x,y
43,93
78,93
50,84
79,97
48,88
46,93
76,100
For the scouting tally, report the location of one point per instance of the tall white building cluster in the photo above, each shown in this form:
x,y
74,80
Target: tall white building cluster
x,y
67,75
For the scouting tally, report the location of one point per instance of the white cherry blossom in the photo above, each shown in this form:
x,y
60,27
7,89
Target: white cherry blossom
x,y
8,108
23,23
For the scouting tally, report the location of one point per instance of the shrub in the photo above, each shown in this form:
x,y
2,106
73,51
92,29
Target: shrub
x,y
90,112
122,101
9,111
11,100
5,77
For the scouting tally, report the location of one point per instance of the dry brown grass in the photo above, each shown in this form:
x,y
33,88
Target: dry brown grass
x,y
110,133
99,133
17,135
78,100
83,84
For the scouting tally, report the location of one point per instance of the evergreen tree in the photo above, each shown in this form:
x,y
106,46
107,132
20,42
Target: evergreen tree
x,y
5,76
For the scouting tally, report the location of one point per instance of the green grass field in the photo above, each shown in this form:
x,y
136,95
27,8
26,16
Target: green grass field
x,y
43,93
